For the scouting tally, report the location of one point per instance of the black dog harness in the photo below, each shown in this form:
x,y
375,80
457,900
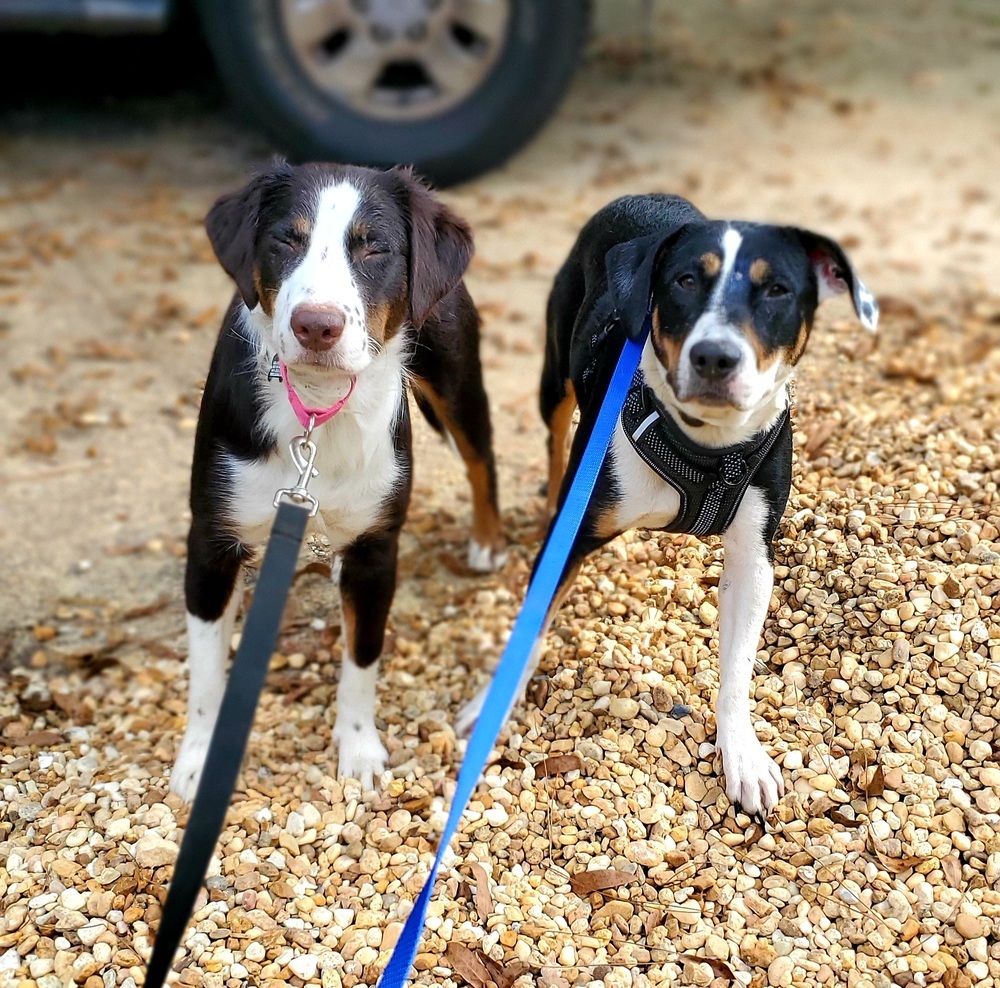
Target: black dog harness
x,y
711,481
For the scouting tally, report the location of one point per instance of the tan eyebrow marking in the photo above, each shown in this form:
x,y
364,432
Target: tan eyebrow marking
x,y
711,263
302,226
759,270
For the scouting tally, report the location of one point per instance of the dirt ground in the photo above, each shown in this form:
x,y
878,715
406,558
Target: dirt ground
x,y
876,124
879,128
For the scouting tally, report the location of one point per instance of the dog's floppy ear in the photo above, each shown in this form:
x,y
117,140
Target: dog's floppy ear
x,y
231,225
835,275
440,248
630,265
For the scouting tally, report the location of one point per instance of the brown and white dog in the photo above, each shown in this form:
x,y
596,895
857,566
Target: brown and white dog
x,y
704,443
350,281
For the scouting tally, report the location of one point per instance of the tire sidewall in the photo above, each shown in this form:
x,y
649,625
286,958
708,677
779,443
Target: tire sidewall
x,y
508,106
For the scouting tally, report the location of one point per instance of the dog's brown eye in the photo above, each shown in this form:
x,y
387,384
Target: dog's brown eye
x,y
687,282
373,250
776,291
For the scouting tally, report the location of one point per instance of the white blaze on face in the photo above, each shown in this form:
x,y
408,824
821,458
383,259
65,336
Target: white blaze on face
x,y
713,327
324,276
732,240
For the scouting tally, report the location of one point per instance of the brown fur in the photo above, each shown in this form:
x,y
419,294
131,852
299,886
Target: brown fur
x,y
759,270
265,297
486,528
559,427
711,264
800,344
668,351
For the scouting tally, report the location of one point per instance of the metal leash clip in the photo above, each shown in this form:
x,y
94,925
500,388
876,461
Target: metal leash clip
x,y
303,451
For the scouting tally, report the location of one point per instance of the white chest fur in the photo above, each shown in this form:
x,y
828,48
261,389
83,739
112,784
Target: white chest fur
x,y
358,465
647,501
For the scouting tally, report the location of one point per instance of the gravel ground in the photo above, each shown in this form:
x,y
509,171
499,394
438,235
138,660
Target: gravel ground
x,y
601,848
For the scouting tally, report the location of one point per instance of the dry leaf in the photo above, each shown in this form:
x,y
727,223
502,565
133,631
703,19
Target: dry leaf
x,y
893,305
454,565
145,610
37,739
299,690
821,806
132,549
558,764
843,819
875,784
505,762
484,901
585,882
95,349
468,965
819,435
894,866
720,968
952,869
538,693
159,650
504,975
320,569
76,710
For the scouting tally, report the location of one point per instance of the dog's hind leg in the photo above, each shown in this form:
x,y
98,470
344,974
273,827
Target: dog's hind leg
x,y
448,385
469,713
557,411
556,395
584,544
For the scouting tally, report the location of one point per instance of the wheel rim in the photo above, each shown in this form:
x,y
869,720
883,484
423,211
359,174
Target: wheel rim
x,y
398,60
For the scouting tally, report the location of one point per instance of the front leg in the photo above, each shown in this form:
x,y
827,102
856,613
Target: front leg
x,y
753,780
213,565
367,585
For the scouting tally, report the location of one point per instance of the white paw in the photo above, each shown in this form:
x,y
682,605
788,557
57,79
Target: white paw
x,y
362,755
753,779
190,761
485,558
469,713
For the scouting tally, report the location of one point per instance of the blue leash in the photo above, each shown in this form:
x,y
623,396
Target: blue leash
x,y
529,625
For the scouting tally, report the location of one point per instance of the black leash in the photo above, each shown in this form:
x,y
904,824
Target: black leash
x,y
232,729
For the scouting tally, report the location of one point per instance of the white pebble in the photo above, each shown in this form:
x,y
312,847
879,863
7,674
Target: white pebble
x,y
304,966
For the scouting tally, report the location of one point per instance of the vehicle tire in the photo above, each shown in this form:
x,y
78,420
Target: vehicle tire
x,y
368,81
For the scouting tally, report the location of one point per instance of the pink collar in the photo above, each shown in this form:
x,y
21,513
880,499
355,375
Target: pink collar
x,y
311,417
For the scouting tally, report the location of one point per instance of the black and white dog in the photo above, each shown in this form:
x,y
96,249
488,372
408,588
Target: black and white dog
x,y
349,291
704,442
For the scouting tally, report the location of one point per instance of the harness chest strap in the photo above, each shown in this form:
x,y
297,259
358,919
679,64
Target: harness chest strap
x,y
711,482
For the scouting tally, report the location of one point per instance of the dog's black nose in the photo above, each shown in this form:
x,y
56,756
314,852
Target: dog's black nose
x,y
715,360
317,327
